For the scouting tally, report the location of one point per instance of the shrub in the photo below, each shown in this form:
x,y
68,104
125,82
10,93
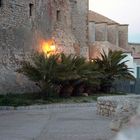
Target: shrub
x,y
112,67
60,72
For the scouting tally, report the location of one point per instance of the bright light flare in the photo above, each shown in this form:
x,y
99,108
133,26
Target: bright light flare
x,y
47,47
52,47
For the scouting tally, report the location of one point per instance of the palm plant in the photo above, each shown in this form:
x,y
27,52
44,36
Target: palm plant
x,y
48,72
66,72
112,67
42,70
90,78
85,74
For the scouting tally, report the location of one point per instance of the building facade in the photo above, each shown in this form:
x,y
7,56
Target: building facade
x,y
24,23
106,34
75,29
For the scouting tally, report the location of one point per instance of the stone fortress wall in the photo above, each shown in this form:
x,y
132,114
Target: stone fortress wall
x,y
24,23
79,14
17,30
69,23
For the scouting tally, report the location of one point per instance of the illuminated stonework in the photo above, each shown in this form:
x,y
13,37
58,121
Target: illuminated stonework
x,y
48,47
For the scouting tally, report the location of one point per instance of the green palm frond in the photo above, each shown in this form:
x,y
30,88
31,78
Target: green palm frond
x,y
112,66
59,69
30,71
113,63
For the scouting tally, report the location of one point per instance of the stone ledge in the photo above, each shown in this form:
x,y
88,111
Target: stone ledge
x,y
49,106
120,108
111,105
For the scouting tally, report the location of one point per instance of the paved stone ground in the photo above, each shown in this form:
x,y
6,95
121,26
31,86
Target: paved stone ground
x,y
55,123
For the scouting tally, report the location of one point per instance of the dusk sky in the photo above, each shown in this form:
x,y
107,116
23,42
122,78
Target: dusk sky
x,y
122,11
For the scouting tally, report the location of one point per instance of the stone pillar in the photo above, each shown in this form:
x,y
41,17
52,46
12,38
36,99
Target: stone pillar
x,y
113,34
79,17
123,36
91,32
101,31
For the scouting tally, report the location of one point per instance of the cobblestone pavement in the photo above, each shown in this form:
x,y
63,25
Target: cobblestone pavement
x,y
59,122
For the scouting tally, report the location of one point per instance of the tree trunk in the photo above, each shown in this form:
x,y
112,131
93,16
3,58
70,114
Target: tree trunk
x,y
78,90
66,91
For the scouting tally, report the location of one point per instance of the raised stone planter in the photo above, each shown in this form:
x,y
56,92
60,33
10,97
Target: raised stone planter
x,y
111,105
120,108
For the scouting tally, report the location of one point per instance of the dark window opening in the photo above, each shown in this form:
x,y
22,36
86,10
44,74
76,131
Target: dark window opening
x,y
0,3
138,72
58,15
31,6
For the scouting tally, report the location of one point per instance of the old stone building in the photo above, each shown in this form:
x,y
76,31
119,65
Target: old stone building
x,y
74,29
105,33
24,23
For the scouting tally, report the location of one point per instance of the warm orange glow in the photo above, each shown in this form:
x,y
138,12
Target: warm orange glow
x,y
52,47
47,47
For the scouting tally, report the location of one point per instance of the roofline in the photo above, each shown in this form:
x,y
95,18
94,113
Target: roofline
x,y
124,24
111,20
131,43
